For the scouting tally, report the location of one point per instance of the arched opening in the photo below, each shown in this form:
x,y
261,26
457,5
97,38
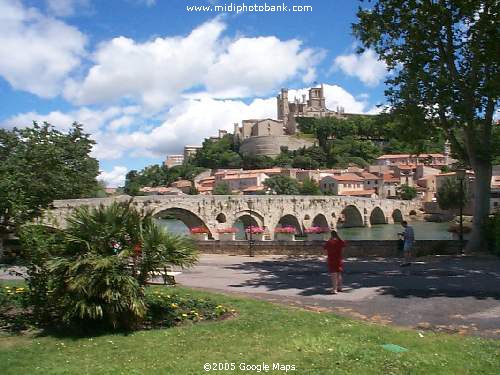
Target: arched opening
x,y
243,222
179,220
221,218
397,216
320,221
290,221
377,216
351,217
413,213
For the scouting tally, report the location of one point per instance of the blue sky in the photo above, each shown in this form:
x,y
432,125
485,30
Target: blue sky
x,y
146,77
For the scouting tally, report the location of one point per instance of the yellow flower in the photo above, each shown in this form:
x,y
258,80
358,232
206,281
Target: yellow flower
x,y
184,315
174,305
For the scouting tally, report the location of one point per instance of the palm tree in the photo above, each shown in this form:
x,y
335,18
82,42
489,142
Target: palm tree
x,y
109,256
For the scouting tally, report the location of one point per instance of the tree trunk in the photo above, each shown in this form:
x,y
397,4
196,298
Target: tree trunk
x,y
482,190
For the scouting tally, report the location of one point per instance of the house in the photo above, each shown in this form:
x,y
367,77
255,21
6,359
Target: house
x,y
173,160
183,185
388,185
370,181
345,184
240,181
432,160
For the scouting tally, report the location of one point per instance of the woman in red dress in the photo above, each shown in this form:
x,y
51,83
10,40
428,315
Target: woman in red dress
x,y
334,248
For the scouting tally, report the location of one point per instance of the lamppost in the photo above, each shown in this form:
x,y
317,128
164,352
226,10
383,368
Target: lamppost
x,y
461,173
249,232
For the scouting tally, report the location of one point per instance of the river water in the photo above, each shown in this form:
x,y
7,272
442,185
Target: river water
x,y
423,230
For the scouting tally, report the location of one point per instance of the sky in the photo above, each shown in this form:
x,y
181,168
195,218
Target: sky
x,y
146,77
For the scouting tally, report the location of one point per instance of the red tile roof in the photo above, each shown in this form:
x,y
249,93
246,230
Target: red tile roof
x,y
346,177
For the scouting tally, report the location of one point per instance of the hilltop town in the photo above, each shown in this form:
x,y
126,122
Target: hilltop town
x,y
389,175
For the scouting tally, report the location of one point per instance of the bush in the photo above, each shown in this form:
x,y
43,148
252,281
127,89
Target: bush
x,y
492,233
14,316
93,273
167,310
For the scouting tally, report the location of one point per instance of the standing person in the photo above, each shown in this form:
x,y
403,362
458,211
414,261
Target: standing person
x,y
408,238
334,248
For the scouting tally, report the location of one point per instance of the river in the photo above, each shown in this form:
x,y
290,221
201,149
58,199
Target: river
x,y
423,230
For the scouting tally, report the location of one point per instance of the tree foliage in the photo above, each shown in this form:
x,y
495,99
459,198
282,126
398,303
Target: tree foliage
x,y
222,188
159,175
309,187
444,62
406,192
282,185
449,196
41,164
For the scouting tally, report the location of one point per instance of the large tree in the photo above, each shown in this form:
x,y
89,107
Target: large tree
x,y
40,164
443,62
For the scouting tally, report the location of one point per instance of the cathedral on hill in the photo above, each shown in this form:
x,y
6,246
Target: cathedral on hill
x,y
268,136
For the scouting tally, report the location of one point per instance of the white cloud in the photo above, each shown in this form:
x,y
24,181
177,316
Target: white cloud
x,y
92,120
189,122
157,73
154,72
115,177
37,52
254,66
64,8
366,67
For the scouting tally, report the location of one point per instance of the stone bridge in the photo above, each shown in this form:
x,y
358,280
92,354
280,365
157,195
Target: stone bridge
x,y
221,211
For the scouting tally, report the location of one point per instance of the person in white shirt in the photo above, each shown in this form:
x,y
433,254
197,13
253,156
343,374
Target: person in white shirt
x,y
409,239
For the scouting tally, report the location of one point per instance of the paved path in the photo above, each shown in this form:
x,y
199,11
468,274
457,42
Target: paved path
x,y
438,293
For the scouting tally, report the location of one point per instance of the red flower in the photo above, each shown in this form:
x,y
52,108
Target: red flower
x,y
137,249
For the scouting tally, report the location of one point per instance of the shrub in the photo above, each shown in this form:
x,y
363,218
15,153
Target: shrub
x,y
198,230
95,270
227,230
253,229
492,233
167,310
317,230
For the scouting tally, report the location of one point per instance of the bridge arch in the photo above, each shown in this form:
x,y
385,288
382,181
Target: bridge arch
x,y
377,216
397,215
352,217
320,221
187,217
289,220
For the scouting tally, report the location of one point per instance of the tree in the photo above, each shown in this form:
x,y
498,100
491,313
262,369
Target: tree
x,y
38,165
310,187
448,195
222,188
443,57
407,192
282,185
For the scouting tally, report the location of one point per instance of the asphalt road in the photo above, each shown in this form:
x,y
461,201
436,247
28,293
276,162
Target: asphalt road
x,y
450,294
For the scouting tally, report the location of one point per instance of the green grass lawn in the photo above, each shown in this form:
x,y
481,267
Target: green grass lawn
x,y
315,343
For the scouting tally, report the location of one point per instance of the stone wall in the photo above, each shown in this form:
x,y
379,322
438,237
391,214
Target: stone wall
x,y
271,145
354,248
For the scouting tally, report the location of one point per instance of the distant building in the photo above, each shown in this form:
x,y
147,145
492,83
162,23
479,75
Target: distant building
x,y
182,185
190,151
432,160
314,106
173,160
346,184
